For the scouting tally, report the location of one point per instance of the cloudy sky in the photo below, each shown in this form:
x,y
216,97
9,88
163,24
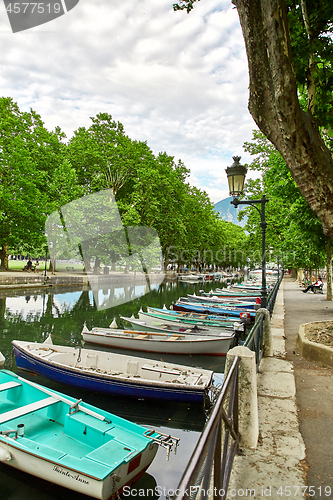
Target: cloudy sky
x,y
177,81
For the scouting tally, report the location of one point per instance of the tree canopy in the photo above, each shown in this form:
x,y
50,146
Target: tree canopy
x,y
289,51
29,158
41,174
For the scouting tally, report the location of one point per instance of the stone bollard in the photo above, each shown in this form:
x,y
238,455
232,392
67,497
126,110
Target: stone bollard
x,y
247,399
267,333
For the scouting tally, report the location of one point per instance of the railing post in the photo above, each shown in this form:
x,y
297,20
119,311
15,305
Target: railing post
x,y
248,399
267,333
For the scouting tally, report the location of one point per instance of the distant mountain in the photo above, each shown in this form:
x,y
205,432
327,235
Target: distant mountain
x,y
228,212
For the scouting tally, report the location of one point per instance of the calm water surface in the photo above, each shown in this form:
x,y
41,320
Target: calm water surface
x,y
35,314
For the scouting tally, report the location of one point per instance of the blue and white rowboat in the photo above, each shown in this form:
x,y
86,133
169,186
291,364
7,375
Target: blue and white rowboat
x,y
103,371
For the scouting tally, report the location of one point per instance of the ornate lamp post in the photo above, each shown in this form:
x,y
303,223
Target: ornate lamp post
x,y
236,178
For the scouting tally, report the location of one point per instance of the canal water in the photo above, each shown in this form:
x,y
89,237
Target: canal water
x,y
33,314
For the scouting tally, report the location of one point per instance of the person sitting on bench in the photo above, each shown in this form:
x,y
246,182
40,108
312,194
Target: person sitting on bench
x,y
28,266
317,284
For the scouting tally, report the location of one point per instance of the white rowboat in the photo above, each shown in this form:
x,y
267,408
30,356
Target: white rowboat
x,y
162,342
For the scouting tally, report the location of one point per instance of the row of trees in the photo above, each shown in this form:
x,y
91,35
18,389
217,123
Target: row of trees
x,y
41,172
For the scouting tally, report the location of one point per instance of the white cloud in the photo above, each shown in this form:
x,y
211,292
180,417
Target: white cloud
x,y
177,81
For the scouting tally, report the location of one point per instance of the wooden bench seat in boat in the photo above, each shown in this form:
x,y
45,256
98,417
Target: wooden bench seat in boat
x,y
9,385
88,429
113,448
24,410
161,370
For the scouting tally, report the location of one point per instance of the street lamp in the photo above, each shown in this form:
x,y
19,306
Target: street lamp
x,y
236,178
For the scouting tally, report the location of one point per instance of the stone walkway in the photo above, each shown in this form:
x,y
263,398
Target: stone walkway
x,y
314,388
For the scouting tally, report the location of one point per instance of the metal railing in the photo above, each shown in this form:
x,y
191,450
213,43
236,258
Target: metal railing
x,y
255,337
196,480
272,295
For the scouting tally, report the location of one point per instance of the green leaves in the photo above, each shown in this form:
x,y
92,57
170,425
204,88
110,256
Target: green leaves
x,y
293,229
187,5
41,175
34,177
310,24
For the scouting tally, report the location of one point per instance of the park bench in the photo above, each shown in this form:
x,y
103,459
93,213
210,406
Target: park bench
x,y
318,289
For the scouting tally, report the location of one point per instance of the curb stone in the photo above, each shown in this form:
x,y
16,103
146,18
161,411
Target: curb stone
x,y
312,350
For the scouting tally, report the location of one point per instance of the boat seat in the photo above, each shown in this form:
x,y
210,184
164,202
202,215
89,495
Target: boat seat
x,y
9,385
161,370
24,410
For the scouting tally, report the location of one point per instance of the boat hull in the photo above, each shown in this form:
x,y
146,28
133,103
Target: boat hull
x,y
70,478
230,301
205,309
95,382
232,294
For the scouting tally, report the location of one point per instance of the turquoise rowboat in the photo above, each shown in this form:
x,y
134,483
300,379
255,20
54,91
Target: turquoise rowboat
x,y
71,443
189,317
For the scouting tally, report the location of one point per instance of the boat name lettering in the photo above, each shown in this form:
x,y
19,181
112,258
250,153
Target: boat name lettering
x,y
68,474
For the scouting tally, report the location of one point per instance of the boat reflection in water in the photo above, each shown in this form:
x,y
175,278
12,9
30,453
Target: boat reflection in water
x,y
145,487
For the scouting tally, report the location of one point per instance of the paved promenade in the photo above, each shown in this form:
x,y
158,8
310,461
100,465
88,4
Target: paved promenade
x,y
294,457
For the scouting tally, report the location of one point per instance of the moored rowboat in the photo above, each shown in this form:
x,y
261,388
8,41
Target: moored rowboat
x,y
214,326
218,302
208,309
69,442
190,317
228,293
161,341
101,371
178,328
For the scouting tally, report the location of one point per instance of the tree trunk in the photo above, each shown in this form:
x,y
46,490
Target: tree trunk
x,y
86,260
4,257
97,266
52,266
274,105
329,268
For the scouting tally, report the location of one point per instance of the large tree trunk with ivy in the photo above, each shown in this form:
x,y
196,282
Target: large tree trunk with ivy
x,y
275,107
